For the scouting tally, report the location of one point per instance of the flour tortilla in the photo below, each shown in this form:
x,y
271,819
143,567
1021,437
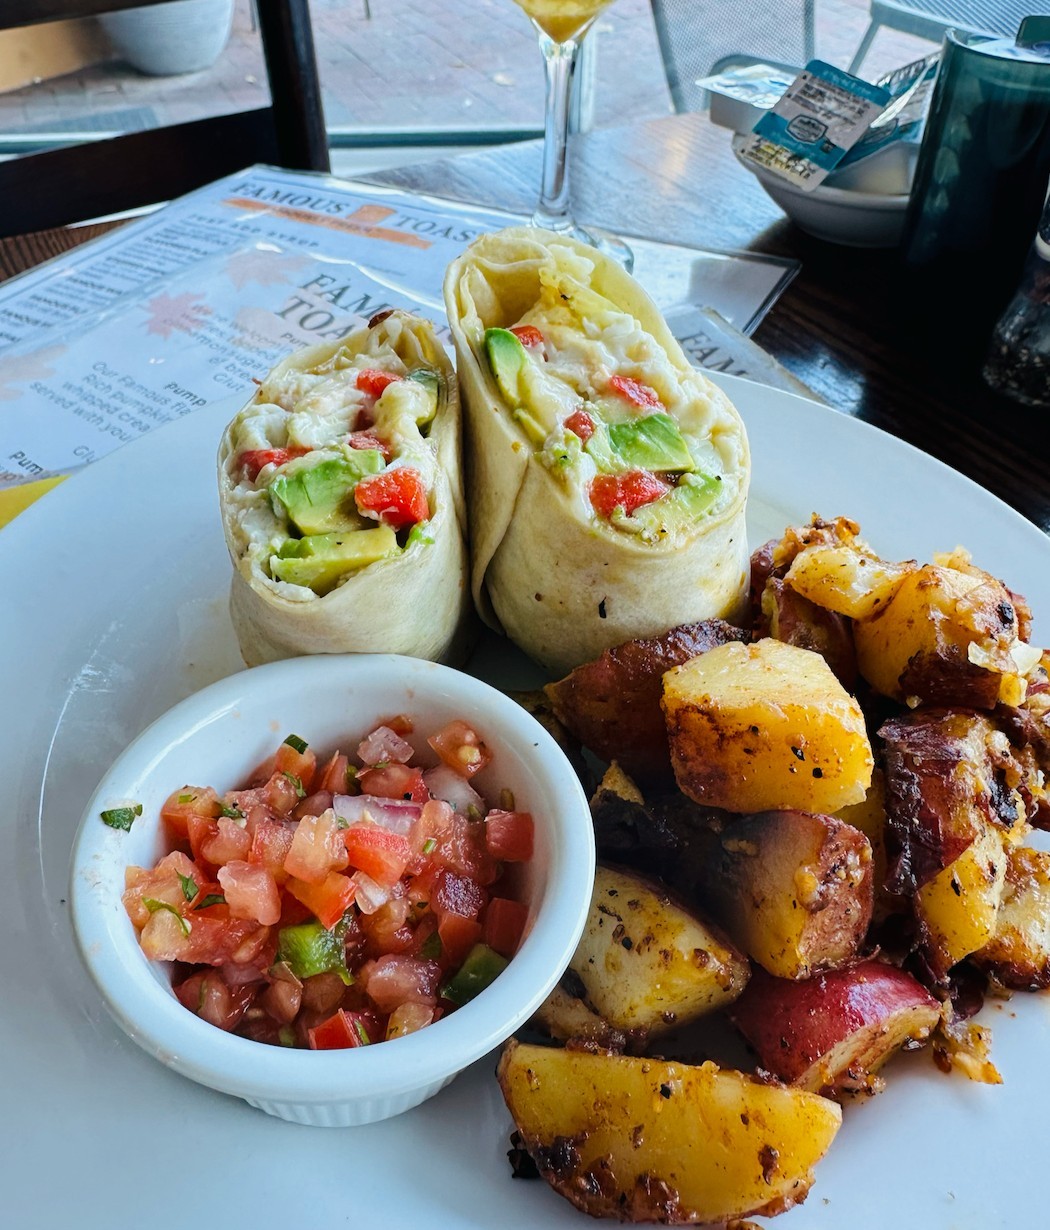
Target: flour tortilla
x,y
417,603
562,585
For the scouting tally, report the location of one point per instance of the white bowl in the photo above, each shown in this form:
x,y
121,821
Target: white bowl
x,y
842,215
216,738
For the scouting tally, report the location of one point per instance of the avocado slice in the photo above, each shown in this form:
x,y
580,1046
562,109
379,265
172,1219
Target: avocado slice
x,y
681,507
431,381
507,359
652,443
314,498
320,560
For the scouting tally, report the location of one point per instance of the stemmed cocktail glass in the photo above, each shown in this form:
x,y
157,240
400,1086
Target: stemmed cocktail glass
x,y
561,25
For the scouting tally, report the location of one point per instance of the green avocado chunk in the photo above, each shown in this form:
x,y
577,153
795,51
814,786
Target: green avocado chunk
x,y
507,359
315,499
652,443
320,560
681,507
431,381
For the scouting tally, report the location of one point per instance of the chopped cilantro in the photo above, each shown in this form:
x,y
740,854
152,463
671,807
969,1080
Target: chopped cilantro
x,y
121,817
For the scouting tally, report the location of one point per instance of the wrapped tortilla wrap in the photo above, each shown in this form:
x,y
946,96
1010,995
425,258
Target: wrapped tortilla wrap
x,y
341,494
607,477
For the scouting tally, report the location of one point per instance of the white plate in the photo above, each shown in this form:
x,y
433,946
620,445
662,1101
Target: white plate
x,y
112,607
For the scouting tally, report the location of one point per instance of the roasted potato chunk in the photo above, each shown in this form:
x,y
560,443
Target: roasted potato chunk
x,y
755,727
847,579
832,1033
612,705
793,889
643,1140
1018,954
948,774
648,963
957,910
946,637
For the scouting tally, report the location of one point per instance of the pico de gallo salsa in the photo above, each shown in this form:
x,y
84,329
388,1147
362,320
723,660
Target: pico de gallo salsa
x,y
338,901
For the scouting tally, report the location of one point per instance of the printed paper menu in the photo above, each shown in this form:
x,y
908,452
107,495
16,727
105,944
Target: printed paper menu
x,y
189,305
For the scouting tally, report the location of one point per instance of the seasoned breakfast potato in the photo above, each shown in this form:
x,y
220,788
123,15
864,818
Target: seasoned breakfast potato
x,y
946,637
648,963
957,910
643,1140
832,1033
1018,954
762,726
849,580
869,816
612,705
794,890
948,775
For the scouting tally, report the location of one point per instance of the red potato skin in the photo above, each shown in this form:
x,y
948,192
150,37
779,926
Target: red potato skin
x,y
791,1026
612,705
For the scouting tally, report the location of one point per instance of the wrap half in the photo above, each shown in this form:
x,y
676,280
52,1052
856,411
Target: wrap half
x,y
341,493
607,477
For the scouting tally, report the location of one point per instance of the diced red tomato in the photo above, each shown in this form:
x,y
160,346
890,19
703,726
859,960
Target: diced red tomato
x,y
393,980
394,781
388,929
250,892
271,842
457,894
316,849
202,831
334,775
396,497
300,765
627,491
504,924
282,793
373,382
509,835
255,459
207,995
185,802
230,842
635,391
458,936
528,335
368,440
161,883
580,423
313,805
377,852
461,848
327,901
459,745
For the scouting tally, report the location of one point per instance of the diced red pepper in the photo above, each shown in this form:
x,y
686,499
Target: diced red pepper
x,y
627,491
254,459
528,335
366,440
581,423
509,835
377,852
327,901
635,391
396,497
504,924
373,382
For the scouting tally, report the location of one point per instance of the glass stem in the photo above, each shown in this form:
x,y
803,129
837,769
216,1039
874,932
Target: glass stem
x,y
554,210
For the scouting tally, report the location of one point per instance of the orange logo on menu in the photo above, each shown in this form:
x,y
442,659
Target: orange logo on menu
x,y
363,221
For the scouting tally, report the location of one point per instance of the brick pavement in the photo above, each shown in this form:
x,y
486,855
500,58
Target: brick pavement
x,y
461,64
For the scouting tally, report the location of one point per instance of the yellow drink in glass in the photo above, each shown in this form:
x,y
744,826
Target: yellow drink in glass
x,y
562,20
